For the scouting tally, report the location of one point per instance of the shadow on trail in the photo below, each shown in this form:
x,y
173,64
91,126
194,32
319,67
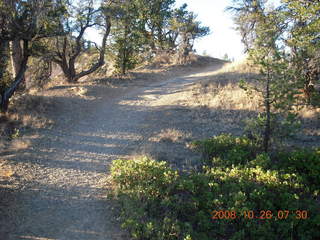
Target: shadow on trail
x,y
57,202
61,216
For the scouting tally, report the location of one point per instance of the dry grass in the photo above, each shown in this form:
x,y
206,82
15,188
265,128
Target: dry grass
x,y
161,68
169,135
221,90
35,109
26,112
6,170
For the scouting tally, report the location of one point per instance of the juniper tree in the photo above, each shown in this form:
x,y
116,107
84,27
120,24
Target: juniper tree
x,y
141,27
25,22
72,45
303,40
262,29
128,35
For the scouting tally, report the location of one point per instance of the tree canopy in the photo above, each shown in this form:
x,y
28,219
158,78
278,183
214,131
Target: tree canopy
x,y
55,31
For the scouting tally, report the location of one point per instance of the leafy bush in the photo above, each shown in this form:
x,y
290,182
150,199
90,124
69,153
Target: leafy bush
x,y
144,188
258,190
282,127
304,162
226,149
160,203
142,177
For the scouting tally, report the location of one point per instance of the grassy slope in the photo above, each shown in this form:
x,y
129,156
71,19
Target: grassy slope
x,y
157,202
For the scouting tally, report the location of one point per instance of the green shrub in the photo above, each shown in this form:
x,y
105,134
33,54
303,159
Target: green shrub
x,y
143,187
262,160
226,149
142,177
158,203
281,127
304,162
255,189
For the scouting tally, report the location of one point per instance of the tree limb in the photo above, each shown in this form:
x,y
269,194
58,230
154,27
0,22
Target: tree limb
x,y
18,79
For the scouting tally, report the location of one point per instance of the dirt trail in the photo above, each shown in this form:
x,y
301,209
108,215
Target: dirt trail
x,y
59,188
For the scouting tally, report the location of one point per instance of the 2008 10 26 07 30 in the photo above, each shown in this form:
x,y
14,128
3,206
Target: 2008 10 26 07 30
x,y
262,214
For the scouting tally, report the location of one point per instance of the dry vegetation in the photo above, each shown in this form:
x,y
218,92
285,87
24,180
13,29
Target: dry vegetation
x,y
211,106
28,112
221,91
40,108
216,100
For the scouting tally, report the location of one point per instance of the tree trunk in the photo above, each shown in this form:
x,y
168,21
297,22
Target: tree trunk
x,y
68,67
124,53
16,56
7,94
16,60
267,130
4,59
66,71
124,62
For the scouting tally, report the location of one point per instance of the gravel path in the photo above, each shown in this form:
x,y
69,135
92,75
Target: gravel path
x,y
59,190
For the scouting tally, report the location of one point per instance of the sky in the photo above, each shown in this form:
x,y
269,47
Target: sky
x,y
224,39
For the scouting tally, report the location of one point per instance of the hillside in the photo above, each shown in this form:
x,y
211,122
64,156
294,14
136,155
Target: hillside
x,y
53,168
70,133
112,127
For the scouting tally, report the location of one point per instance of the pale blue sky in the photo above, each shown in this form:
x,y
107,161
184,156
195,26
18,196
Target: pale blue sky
x,y
223,38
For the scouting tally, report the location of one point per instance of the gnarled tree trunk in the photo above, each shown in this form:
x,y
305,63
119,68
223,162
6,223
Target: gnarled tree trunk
x,y
4,59
67,61
8,92
16,55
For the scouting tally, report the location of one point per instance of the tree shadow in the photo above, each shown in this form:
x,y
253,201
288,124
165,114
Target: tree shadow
x,y
57,214
87,143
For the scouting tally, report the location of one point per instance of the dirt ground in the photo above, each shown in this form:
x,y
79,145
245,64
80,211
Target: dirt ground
x,y
54,177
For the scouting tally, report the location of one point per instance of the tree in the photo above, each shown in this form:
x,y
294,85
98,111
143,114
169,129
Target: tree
x,y
299,36
128,36
141,26
72,45
246,14
303,40
268,53
189,29
26,22
16,56
155,16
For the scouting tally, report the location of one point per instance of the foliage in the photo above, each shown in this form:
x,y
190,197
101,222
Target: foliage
x,y
57,32
146,28
283,43
305,162
303,24
26,22
80,17
160,203
281,128
143,176
226,148
127,36
154,17
185,26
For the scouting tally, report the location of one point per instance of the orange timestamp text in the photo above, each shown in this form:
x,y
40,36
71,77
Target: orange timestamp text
x,y
262,214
